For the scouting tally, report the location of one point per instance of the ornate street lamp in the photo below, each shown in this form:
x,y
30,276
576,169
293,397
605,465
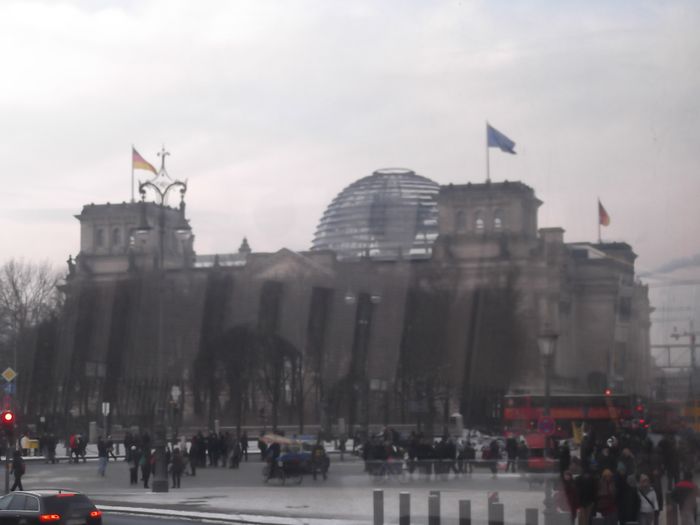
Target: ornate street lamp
x,y
547,341
162,185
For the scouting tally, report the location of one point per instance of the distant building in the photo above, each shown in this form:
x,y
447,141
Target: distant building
x,y
415,300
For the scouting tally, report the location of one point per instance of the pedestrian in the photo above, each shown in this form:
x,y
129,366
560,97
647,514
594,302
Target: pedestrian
x,y
18,470
684,495
244,445
512,453
586,492
102,456
74,448
470,456
51,447
567,495
648,505
494,456
564,457
319,460
82,447
145,464
132,458
342,445
177,466
110,448
606,498
628,500
657,485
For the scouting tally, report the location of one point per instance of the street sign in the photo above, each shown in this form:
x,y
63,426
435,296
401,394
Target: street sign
x,y
546,425
105,408
9,388
9,374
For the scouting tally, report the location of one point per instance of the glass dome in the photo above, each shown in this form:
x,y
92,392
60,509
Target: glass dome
x,y
389,214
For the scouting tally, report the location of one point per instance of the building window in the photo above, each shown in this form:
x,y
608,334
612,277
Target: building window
x,y
460,221
498,220
100,237
479,222
116,237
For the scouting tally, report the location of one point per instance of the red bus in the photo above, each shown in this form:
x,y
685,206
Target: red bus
x,y
522,412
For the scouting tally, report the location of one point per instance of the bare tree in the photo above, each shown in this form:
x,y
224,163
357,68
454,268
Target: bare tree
x,y
28,295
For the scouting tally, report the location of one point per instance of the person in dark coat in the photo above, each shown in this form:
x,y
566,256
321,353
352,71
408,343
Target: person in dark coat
x,y
657,485
177,467
133,457
586,491
244,445
273,454
145,464
18,470
494,456
567,495
628,499
512,452
564,458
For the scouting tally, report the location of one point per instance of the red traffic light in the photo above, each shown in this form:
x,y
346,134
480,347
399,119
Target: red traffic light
x,y
7,417
608,392
640,408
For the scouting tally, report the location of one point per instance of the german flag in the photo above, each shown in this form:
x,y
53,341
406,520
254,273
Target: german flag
x,y
139,163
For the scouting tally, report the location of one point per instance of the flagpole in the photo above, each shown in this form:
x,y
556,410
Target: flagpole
x,y
132,173
488,167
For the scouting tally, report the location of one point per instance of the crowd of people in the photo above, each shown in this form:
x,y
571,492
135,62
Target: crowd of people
x,y
387,454
622,479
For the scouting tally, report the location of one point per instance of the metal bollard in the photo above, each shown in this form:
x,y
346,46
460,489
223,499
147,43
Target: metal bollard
x,y
436,493
434,509
496,514
378,507
404,508
531,517
465,512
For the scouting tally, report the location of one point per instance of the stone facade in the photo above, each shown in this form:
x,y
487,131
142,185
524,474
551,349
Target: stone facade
x,y
290,337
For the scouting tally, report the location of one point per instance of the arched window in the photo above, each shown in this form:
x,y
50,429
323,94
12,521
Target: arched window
x,y
99,237
479,222
460,221
116,237
498,220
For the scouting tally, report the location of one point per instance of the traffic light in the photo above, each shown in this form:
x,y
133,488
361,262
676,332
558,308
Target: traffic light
x,y
608,392
7,419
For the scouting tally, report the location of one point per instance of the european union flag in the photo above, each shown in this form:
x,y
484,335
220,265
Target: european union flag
x,y
496,139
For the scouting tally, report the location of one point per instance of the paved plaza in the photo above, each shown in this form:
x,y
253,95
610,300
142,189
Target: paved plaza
x,y
346,496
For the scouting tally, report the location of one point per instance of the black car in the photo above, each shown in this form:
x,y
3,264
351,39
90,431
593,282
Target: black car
x,y
55,506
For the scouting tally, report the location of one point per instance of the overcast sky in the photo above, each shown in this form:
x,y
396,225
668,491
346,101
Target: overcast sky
x,y
270,109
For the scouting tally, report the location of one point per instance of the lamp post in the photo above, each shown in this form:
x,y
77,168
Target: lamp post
x,y
547,342
161,189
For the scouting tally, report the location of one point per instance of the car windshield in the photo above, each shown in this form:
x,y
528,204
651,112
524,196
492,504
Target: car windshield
x,y
456,243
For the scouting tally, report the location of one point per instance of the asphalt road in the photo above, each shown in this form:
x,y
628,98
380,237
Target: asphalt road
x,y
125,519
